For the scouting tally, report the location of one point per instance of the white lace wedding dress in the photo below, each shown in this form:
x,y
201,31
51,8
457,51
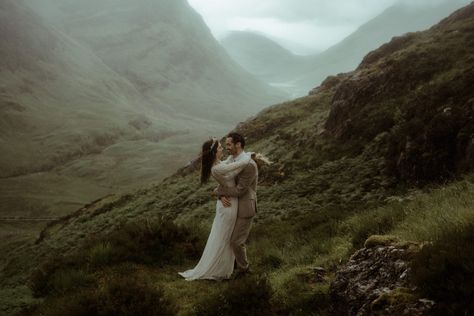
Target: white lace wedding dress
x,y
217,260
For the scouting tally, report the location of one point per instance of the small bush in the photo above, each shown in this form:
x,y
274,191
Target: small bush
x,y
80,303
377,222
57,275
119,296
444,271
153,242
271,261
101,254
302,294
247,296
315,302
65,280
127,296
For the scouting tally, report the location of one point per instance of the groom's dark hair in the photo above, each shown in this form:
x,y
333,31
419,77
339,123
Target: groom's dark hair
x,y
237,138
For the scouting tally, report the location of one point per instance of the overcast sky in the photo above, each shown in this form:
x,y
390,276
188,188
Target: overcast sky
x,y
303,26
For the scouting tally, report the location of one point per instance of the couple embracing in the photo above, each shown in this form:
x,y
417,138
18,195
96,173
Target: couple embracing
x,y
236,206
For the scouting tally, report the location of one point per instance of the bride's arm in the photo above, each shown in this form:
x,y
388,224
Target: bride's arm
x,y
226,171
245,180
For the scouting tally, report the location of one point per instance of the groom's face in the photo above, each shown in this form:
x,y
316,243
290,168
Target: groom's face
x,y
232,148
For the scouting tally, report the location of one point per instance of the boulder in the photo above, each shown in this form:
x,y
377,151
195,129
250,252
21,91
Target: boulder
x,y
375,280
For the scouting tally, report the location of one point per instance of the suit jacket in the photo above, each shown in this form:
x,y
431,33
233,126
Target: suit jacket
x,y
245,190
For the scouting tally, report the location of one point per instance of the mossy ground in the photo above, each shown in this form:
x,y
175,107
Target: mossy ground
x,y
318,202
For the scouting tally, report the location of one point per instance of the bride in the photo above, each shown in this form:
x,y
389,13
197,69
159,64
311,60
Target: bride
x,y
217,260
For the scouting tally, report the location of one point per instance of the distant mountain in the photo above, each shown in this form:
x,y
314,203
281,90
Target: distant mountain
x,y
58,99
62,110
297,75
263,57
164,48
395,21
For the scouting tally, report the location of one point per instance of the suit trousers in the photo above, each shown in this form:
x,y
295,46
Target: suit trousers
x,y
238,239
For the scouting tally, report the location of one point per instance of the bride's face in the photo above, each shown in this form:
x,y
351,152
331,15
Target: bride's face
x,y
220,151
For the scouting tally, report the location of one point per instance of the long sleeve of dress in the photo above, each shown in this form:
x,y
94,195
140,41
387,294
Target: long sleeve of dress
x,y
224,172
247,176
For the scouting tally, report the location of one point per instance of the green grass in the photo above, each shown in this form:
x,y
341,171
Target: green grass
x,y
444,270
283,251
431,214
322,198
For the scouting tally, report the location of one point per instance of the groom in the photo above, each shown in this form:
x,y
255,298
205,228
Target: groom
x,y
246,191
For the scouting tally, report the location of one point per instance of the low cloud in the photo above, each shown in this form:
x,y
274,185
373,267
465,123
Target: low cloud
x,y
302,26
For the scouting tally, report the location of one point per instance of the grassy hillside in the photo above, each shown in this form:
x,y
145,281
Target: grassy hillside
x,y
61,106
50,88
342,171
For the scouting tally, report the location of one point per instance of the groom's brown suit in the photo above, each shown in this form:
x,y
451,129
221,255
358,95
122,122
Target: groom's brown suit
x,y
246,191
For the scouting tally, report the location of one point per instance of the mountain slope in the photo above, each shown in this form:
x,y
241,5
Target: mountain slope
x,y
262,57
346,165
298,74
103,97
51,88
165,49
395,21
61,107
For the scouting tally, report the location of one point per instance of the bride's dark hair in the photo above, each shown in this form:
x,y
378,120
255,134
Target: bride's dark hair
x,y
208,156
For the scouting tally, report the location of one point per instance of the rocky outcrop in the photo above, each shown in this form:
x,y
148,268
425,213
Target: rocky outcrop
x,y
331,82
414,95
375,281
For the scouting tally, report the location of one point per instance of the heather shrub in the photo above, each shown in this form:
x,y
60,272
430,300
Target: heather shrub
x,y
444,271
151,242
118,296
249,295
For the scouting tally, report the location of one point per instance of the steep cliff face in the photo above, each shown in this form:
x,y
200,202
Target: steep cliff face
x,y
416,92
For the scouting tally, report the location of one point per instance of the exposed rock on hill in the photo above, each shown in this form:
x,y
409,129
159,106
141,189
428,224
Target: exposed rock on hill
x,y
375,281
416,93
